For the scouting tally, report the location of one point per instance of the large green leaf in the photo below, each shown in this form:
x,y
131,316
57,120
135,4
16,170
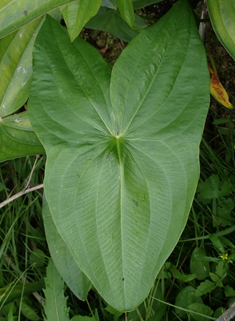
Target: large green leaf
x,y
109,20
222,15
77,14
17,137
17,13
16,67
63,259
122,147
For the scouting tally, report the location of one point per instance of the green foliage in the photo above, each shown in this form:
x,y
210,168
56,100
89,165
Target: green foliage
x,y
127,11
16,135
99,117
77,14
63,258
28,311
203,309
198,265
214,192
109,19
15,16
184,299
37,257
222,14
133,166
83,318
56,307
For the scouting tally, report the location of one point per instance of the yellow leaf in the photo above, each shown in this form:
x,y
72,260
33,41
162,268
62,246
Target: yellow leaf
x,y
218,92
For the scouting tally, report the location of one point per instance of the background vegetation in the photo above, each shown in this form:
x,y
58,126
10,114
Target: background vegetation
x,y
199,275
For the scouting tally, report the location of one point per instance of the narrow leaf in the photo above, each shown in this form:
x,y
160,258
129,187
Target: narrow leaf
x,y
16,67
15,14
17,137
28,312
217,243
63,259
218,92
77,14
222,15
126,10
124,169
56,304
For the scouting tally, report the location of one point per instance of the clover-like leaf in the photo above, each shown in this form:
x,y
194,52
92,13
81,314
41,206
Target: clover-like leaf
x,y
122,147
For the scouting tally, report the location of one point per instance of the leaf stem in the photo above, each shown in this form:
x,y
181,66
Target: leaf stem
x,y
23,192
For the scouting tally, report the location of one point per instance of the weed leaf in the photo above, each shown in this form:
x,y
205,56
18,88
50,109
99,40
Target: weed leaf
x,y
205,287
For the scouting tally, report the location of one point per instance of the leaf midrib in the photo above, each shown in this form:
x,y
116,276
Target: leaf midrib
x,y
150,85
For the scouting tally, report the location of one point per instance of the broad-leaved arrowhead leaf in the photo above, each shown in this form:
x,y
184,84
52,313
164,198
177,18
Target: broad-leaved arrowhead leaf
x,y
122,147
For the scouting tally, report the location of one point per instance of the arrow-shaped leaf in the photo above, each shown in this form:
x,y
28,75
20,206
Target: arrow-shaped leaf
x,y
122,147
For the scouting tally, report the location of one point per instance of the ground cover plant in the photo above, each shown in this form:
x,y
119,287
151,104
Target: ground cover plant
x,y
122,166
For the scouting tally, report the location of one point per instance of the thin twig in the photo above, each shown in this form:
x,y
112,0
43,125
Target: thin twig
x,y
121,44
202,25
31,174
23,192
